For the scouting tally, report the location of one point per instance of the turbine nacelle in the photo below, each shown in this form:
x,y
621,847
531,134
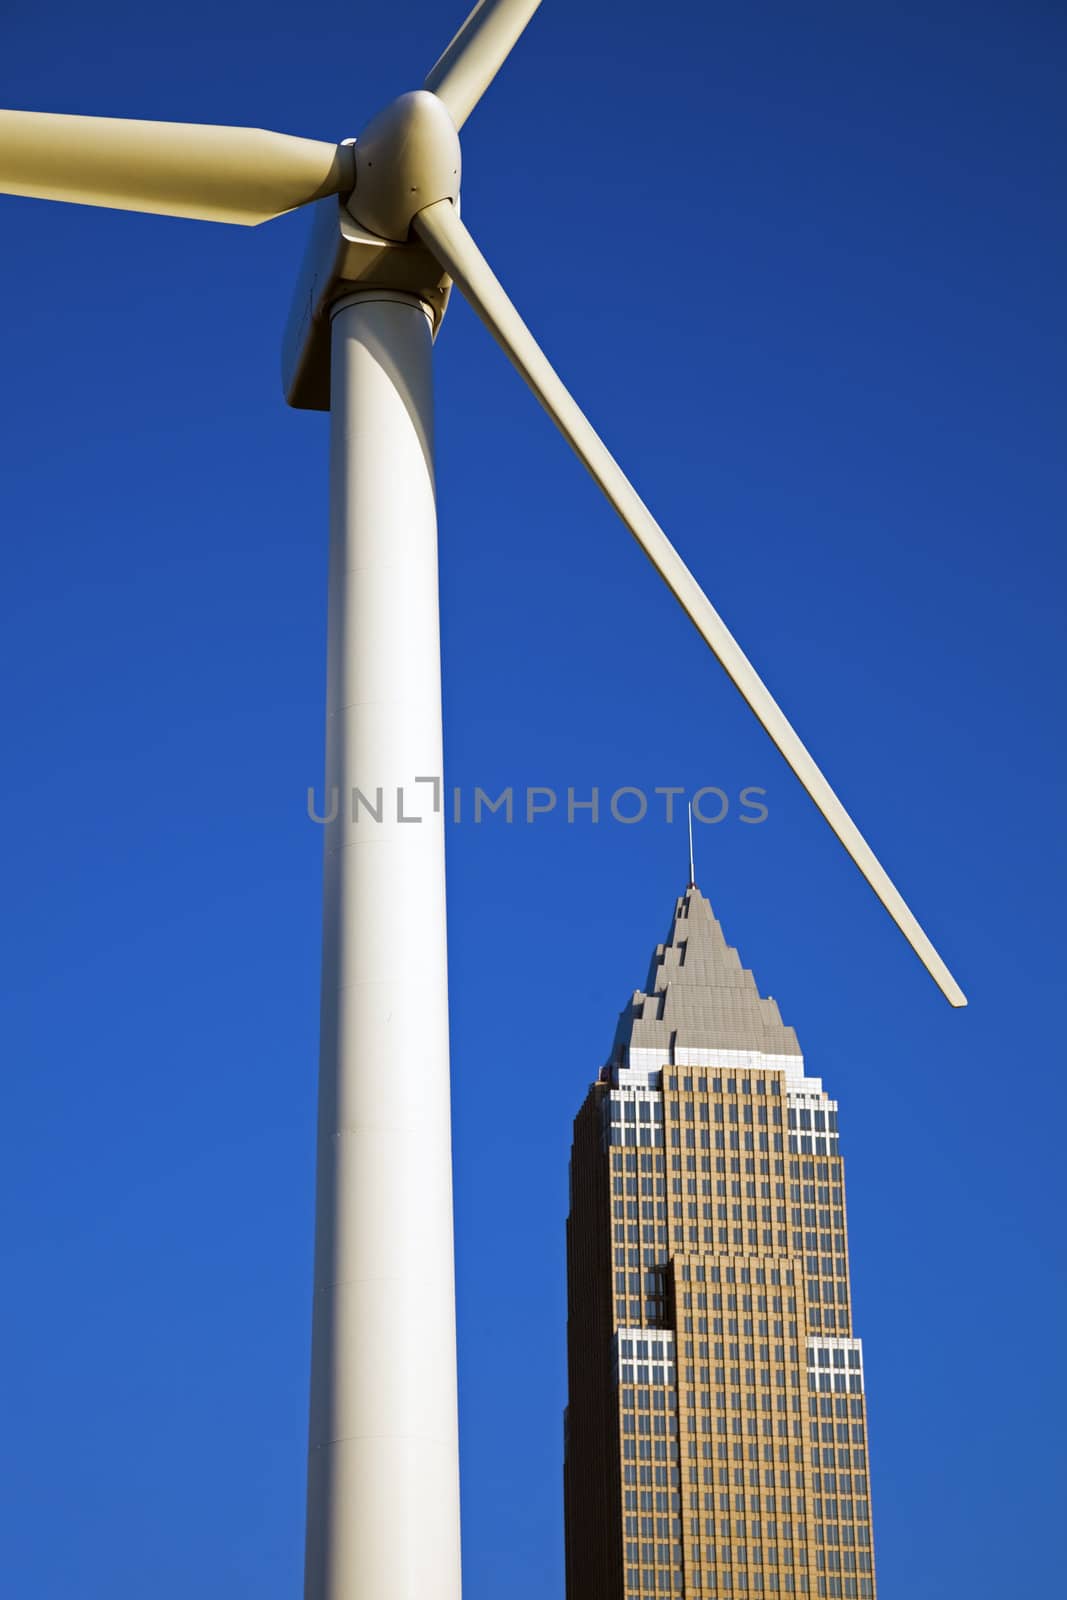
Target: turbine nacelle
x,y
343,257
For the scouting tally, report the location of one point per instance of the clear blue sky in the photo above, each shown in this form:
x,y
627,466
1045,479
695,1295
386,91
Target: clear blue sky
x,y
804,266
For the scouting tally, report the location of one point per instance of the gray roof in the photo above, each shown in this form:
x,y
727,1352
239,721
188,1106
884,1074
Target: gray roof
x,y
699,996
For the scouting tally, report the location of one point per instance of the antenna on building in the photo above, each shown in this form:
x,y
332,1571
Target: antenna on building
x,y
692,870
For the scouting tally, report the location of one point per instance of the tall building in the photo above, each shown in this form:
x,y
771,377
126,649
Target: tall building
x,y
716,1431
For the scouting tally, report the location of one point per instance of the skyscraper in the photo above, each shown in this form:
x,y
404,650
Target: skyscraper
x,y
716,1431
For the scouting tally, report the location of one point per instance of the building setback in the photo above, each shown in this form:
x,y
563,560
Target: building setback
x,y
716,1431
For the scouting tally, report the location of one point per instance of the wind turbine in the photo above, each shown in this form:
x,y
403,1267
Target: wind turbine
x,y
386,245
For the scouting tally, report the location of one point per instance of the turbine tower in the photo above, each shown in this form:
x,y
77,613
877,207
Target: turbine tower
x,y
386,244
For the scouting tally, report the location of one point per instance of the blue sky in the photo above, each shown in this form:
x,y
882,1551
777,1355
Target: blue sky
x,y
803,266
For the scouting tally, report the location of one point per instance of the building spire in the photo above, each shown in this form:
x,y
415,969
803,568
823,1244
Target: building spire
x,y
692,871
698,996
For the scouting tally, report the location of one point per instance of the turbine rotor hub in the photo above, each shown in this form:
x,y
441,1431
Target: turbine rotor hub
x,y
406,158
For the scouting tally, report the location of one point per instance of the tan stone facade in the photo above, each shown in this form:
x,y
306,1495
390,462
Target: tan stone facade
x,y
716,1432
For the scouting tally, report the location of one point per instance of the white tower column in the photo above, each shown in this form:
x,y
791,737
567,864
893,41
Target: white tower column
x,y
383,1471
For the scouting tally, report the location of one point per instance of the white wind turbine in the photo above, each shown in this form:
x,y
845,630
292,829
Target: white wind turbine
x,y
387,241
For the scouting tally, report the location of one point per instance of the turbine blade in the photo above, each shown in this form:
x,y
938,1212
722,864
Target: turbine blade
x,y
470,63
444,234
177,169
